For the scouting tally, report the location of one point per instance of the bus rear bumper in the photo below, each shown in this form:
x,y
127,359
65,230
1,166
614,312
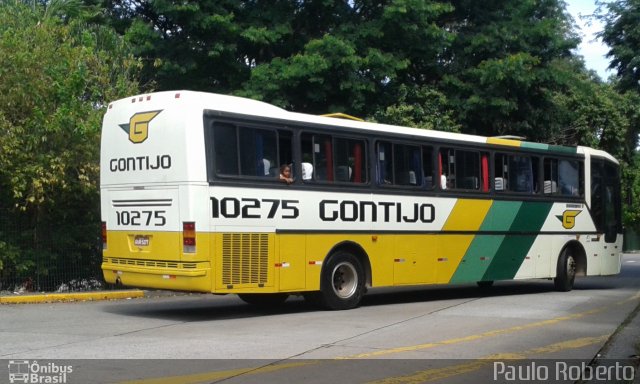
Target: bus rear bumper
x,y
176,276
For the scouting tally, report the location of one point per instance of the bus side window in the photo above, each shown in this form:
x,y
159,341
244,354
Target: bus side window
x,y
569,177
385,163
285,152
350,160
225,143
407,165
256,146
399,164
461,168
427,167
307,152
521,172
446,168
501,171
330,159
550,185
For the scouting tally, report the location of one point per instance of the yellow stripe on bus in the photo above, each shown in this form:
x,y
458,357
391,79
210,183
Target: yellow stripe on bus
x,y
467,215
507,142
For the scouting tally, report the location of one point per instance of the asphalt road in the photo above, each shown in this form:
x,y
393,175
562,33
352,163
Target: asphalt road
x,y
406,335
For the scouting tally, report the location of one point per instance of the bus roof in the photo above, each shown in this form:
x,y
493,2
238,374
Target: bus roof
x,y
240,105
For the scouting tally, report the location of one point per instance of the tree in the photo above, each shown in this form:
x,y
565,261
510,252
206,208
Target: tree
x,y
622,34
505,64
56,77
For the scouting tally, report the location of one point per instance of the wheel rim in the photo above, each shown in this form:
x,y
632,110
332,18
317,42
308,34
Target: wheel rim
x,y
571,268
345,280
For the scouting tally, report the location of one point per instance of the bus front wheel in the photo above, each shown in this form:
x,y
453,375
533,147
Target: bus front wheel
x,y
264,300
342,283
566,272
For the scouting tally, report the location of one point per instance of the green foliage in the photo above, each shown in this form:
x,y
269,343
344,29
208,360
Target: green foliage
x,y
420,108
56,77
622,34
504,66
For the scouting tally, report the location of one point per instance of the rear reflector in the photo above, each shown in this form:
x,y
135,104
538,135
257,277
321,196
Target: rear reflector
x,y
189,237
104,235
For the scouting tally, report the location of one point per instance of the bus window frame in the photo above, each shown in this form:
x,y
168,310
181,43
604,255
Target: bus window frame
x,y
532,157
421,145
211,158
466,148
370,137
581,177
302,130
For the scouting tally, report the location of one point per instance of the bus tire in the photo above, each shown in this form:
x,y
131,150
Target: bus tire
x,y
264,300
342,283
566,271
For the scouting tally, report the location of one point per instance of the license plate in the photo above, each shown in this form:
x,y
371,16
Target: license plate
x,y
141,241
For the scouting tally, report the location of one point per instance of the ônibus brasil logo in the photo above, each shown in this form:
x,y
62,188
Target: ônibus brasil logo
x,y
24,371
138,126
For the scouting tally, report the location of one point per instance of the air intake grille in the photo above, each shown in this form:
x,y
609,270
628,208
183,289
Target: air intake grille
x,y
149,263
245,258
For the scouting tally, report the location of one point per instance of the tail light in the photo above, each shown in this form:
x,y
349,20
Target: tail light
x,y
104,235
189,237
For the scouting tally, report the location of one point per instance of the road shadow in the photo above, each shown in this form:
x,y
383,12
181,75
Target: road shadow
x,y
207,307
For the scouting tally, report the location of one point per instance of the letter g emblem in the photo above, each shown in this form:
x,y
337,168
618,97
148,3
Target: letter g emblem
x,y
138,127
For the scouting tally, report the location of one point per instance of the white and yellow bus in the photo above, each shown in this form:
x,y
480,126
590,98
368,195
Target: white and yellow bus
x,y
192,200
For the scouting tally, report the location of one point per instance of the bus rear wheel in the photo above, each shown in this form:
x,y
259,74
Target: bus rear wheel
x,y
342,283
566,272
264,300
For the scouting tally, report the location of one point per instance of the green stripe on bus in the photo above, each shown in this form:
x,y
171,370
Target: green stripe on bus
x,y
514,248
483,248
561,149
527,144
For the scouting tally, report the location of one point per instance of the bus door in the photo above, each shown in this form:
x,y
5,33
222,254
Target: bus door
x,y
605,199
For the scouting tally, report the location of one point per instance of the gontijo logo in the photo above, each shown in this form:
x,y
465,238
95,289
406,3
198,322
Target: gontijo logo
x,y
138,127
568,218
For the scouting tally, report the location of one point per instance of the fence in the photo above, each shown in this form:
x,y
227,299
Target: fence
x,y
46,258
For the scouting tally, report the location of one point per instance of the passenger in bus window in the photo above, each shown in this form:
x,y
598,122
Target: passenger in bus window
x,y
285,174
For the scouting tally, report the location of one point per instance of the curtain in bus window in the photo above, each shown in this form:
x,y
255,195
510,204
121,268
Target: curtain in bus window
x,y
520,174
568,177
225,144
385,173
427,167
258,149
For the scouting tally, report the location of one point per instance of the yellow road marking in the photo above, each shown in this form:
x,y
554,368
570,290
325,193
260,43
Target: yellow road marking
x,y
427,375
487,334
479,336
442,373
218,375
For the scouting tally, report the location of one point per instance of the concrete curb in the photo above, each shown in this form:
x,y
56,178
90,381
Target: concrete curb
x,y
69,297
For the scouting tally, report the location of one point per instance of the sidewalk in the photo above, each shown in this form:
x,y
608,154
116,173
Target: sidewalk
x,y
624,345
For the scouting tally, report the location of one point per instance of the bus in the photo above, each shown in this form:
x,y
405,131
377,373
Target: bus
x,y
192,200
